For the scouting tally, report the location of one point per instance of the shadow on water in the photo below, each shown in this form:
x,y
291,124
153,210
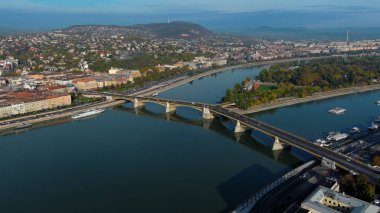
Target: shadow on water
x,y
54,122
238,187
217,126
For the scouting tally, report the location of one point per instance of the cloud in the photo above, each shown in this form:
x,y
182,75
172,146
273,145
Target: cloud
x,y
343,8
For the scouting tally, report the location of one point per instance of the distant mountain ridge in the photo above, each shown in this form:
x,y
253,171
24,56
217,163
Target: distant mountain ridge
x,y
303,33
175,29
7,31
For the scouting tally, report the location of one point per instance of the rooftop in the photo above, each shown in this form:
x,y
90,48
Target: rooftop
x,y
318,202
12,98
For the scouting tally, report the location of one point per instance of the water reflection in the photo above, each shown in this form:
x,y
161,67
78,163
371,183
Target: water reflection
x,y
263,143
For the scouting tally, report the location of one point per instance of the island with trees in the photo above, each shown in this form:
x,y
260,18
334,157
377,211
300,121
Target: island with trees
x,y
304,79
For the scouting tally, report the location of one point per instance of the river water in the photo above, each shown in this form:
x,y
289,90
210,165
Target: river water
x,y
129,160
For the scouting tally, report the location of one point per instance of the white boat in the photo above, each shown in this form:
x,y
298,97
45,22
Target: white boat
x,y
87,113
330,135
355,130
320,141
155,94
337,110
336,136
373,126
378,103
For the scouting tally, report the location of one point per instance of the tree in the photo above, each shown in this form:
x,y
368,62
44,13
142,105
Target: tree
x,y
358,187
347,184
377,185
376,160
367,193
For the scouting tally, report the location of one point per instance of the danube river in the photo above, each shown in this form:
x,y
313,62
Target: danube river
x,y
146,161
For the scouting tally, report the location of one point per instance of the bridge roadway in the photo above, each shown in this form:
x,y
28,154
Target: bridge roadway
x,y
285,137
293,140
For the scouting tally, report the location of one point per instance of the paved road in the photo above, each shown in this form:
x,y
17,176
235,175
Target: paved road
x,y
286,137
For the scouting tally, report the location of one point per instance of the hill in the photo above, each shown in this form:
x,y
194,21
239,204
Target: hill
x,y
161,30
176,29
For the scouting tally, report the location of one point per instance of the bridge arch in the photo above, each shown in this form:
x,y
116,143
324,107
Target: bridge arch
x,y
283,136
163,103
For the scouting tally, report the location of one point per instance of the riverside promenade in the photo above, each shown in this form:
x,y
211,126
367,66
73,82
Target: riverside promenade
x,y
55,114
317,96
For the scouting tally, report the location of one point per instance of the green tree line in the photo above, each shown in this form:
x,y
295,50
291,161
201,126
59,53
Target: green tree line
x,y
142,61
304,79
327,73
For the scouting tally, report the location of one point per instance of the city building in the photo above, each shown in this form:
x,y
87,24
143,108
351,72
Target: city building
x,y
14,103
85,83
252,86
114,71
325,200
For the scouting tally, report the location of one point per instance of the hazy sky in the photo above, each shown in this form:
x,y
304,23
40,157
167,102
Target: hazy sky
x,y
214,14
164,6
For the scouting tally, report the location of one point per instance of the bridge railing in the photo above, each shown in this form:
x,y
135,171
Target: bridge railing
x,y
323,149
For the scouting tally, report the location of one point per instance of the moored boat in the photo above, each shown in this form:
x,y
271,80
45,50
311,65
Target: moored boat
x,y
373,126
336,136
355,130
337,111
320,141
87,113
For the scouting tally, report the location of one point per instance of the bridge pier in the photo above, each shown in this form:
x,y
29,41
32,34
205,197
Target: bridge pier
x,y
207,115
277,145
328,163
170,107
138,103
207,123
239,128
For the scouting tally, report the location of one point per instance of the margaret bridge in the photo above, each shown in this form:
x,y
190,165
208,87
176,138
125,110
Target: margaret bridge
x,y
244,123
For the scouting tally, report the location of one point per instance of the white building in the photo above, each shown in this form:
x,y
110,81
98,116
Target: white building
x,y
325,200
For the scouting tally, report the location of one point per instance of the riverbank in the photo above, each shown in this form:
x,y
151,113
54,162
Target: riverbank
x,y
224,69
56,114
317,96
88,149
